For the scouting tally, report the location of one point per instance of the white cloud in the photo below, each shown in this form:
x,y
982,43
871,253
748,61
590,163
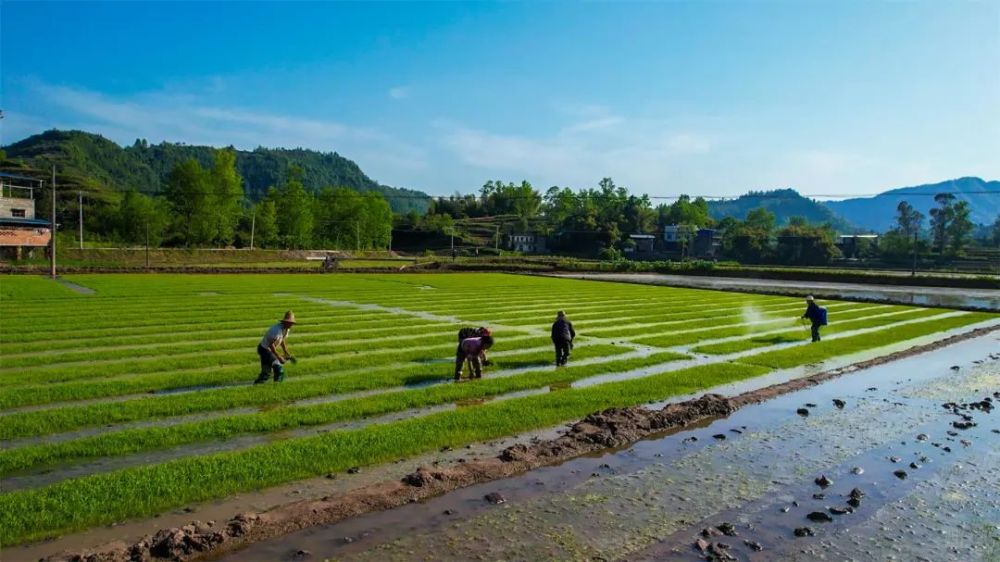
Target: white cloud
x,y
641,153
161,116
399,92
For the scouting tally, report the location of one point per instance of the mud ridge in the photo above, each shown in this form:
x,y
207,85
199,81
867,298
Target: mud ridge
x,y
613,427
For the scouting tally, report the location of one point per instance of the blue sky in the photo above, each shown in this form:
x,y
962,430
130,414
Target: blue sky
x,y
710,98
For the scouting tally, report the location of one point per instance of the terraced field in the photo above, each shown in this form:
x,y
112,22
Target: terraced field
x,y
136,399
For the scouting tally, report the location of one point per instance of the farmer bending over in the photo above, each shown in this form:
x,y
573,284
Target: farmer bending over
x,y
471,350
468,332
563,335
267,349
816,315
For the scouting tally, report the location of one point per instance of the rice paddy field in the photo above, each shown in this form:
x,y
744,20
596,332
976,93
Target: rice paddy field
x,y
134,397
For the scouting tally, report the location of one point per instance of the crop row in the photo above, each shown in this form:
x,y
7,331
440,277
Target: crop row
x,y
151,438
43,422
845,323
104,498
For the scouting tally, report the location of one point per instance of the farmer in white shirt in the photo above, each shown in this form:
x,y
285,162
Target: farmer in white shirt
x,y
267,349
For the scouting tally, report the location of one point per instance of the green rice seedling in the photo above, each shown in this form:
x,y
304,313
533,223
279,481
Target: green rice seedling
x,y
43,422
819,351
846,322
152,438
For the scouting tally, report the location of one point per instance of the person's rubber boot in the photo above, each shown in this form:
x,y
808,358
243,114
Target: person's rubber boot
x,y
279,373
262,378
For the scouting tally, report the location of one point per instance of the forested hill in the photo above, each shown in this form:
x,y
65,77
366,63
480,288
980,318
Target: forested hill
x,y
98,164
784,203
879,212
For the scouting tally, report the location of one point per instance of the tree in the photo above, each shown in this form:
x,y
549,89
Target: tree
x,y
941,217
139,214
684,211
908,220
295,212
266,222
960,227
187,190
225,198
996,232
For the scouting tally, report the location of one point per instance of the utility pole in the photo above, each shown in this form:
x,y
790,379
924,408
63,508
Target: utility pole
x,y
357,236
147,243
913,269
253,226
79,204
496,239
52,258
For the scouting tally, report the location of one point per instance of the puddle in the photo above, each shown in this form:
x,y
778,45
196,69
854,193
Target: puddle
x,y
78,288
648,501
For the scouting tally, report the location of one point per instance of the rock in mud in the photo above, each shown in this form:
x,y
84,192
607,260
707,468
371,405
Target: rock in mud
x,y
856,493
180,542
785,509
422,477
823,481
495,498
810,405
895,459
839,403
901,474
854,502
691,439
857,470
709,532
754,545
922,437
449,512
702,545
353,470
914,465
727,529
819,517
804,532
841,510
963,424
301,554
720,552
955,367
819,496
802,412
719,436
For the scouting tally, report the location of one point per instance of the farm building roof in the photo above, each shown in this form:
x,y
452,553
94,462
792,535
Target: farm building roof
x,y
11,221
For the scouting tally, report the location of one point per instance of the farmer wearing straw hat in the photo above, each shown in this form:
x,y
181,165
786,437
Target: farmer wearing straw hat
x,y
267,350
816,315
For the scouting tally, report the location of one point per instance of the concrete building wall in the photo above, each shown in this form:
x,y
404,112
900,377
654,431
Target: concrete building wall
x,y
9,204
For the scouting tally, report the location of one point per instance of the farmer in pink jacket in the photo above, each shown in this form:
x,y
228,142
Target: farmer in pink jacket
x,y
472,350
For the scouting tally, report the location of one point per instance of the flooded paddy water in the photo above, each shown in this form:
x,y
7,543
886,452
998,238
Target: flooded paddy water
x,y
754,470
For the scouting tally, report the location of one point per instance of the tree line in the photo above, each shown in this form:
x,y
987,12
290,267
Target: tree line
x,y
207,207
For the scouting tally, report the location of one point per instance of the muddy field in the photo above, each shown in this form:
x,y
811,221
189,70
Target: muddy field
x,y
925,489
116,424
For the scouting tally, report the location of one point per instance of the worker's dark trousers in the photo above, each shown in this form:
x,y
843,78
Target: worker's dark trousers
x,y
562,351
268,362
815,332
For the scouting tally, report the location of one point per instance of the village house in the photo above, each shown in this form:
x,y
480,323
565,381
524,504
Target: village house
x,y
21,233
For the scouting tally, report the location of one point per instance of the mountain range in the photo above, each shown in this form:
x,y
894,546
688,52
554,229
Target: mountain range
x,y
878,213
101,168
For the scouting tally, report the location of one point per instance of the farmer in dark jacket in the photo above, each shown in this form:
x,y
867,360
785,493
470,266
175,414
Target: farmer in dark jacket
x,y
815,316
563,335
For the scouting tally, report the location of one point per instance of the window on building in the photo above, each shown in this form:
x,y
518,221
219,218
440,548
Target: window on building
x,y
17,213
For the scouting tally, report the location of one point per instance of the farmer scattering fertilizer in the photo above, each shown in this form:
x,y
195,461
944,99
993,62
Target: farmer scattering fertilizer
x,y
267,350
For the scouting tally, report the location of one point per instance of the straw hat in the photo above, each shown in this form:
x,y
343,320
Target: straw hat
x,y
289,318
560,314
810,298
